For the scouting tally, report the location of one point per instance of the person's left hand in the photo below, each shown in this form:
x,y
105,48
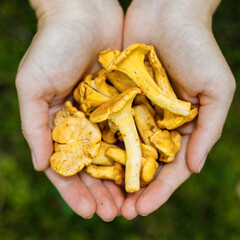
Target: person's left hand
x,y
181,33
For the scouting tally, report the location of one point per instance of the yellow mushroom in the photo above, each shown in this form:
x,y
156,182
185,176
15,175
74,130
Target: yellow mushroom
x,y
118,110
141,99
145,123
149,68
102,158
149,164
77,142
131,62
106,56
114,172
118,79
98,82
67,111
168,143
159,112
117,154
148,151
170,120
149,168
93,91
109,134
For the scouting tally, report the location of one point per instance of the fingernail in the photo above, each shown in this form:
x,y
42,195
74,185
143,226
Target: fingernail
x,y
89,217
143,215
129,219
202,163
34,160
107,220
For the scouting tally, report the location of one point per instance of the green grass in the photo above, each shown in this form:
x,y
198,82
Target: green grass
x,y
205,207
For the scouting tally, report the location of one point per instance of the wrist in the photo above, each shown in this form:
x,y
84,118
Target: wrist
x,y
201,10
48,10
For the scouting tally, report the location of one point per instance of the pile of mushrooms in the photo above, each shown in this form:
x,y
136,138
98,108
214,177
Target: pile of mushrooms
x,y
125,126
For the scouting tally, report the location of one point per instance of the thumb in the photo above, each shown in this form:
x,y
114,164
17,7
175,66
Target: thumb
x,y
212,115
34,111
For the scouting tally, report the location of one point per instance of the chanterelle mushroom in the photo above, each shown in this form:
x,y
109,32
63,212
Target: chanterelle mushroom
x,y
102,158
77,141
145,123
114,172
170,120
131,62
141,99
67,111
149,164
118,110
118,79
167,143
108,134
106,56
117,154
149,168
93,91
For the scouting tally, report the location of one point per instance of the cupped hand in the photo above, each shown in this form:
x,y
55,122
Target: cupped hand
x,y
181,32
70,34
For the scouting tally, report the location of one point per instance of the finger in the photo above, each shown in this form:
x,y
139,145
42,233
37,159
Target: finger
x,y
187,128
207,132
171,176
34,117
117,194
106,207
128,209
74,192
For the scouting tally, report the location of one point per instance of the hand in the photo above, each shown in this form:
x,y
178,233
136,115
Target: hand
x,y
181,32
70,34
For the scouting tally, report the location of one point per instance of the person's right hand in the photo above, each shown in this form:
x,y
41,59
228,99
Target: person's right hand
x,y
70,34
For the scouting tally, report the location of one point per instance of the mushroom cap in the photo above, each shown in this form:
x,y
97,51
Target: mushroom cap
x,y
75,129
173,121
148,151
167,143
124,54
108,134
98,82
68,164
149,169
77,141
93,91
106,56
119,173
102,158
67,111
114,105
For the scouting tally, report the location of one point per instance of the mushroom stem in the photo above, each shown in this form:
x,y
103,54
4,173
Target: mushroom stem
x,y
116,154
123,119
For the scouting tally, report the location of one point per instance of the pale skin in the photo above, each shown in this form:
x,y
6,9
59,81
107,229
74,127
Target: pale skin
x,y
69,36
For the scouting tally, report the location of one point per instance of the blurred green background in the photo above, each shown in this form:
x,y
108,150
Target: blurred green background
x,y
207,206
